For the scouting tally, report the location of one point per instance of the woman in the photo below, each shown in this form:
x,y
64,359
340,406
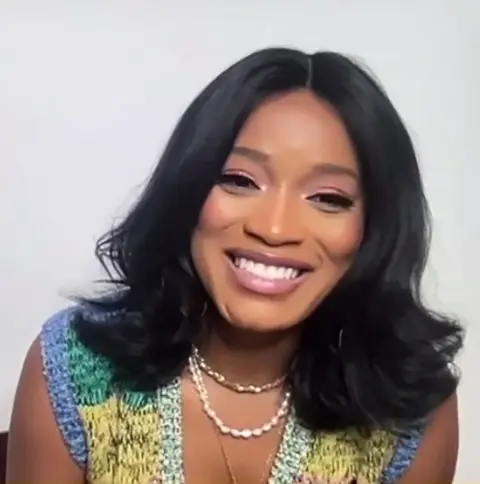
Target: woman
x,y
264,321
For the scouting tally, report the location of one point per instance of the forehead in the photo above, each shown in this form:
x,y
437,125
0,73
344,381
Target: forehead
x,y
298,124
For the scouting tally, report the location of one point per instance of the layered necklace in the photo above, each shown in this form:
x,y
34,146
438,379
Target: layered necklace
x,y
281,467
196,363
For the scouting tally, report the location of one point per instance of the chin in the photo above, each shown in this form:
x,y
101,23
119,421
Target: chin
x,y
261,321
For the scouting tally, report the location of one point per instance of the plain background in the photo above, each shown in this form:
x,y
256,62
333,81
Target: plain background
x,y
90,90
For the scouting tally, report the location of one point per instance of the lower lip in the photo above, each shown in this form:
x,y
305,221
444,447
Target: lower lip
x,y
259,285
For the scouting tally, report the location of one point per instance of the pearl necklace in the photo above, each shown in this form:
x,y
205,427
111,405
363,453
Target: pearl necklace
x,y
239,388
224,429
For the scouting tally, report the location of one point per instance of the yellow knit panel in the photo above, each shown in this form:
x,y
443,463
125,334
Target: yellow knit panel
x,y
123,442
350,454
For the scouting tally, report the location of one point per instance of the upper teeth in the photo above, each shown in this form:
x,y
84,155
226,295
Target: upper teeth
x,y
266,271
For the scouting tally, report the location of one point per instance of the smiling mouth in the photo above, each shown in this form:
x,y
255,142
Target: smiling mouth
x,y
265,274
265,271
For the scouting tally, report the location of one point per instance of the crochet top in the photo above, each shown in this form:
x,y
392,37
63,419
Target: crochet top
x,y
135,438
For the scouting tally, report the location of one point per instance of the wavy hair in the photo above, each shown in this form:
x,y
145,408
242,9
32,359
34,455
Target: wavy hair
x,y
395,362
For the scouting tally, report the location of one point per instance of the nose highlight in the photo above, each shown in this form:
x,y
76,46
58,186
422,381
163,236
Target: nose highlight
x,y
275,222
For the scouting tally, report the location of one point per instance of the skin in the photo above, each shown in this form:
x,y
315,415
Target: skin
x,y
281,192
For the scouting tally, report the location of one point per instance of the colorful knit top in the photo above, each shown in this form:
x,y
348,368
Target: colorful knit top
x,y
136,438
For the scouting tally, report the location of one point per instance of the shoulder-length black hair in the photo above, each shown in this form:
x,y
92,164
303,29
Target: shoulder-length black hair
x,y
394,363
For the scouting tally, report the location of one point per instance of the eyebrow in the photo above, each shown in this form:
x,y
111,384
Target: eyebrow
x,y
251,153
326,168
334,169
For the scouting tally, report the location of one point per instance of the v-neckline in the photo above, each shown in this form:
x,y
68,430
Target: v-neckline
x,y
295,443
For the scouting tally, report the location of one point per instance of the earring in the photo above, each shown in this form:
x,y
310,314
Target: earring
x,y
340,338
185,312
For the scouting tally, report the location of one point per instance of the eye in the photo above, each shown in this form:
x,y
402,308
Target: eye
x,y
237,182
331,202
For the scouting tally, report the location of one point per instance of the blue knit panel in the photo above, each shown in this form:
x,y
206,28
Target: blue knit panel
x,y
404,455
60,386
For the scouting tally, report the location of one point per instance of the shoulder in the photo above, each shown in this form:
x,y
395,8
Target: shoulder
x,y
69,366
436,450
46,441
75,377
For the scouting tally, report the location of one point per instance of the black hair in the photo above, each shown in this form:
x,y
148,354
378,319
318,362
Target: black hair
x,y
394,365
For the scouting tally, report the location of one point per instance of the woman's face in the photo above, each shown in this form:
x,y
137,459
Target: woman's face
x,y
285,220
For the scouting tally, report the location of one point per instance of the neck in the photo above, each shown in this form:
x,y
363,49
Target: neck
x,y
248,357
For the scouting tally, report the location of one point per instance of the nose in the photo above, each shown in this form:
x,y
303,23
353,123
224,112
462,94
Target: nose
x,y
275,221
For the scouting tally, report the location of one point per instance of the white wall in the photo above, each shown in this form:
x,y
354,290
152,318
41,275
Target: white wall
x,y
90,89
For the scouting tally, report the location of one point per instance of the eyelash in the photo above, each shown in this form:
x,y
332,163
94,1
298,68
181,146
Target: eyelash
x,y
329,202
237,181
334,201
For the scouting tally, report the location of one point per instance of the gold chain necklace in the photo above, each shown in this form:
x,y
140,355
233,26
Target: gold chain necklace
x,y
237,387
231,474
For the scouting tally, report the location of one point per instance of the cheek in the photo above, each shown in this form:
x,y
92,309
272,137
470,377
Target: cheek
x,y
217,217
217,224
342,240
217,212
